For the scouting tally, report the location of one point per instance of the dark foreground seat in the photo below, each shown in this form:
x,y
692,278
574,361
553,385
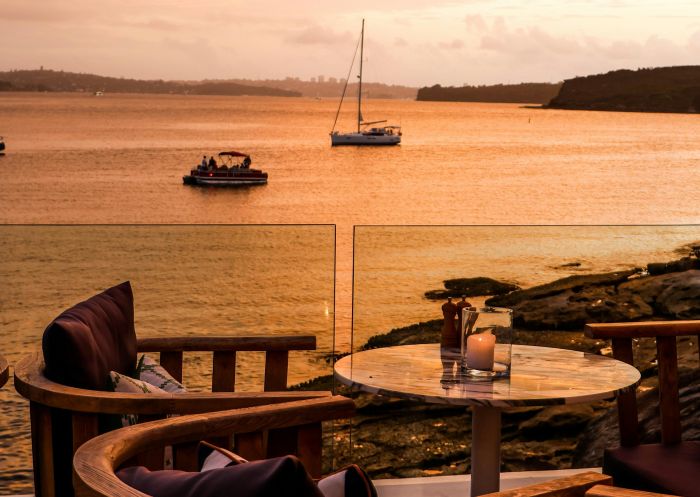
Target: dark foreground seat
x,y
672,466
104,466
68,390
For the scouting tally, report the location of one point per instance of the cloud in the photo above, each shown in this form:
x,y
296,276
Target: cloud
x,y
318,35
475,23
400,42
452,45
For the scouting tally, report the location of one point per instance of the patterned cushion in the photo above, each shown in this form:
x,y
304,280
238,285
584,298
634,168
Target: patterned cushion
x,y
83,344
126,384
150,371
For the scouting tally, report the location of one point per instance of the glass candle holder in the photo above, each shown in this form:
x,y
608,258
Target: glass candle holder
x,y
486,342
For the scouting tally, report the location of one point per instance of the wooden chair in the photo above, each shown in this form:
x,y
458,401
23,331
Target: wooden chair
x,y
63,417
98,459
4,371
588,484
673,465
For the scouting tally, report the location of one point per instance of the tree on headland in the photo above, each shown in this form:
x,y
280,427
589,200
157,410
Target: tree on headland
x,y
539,93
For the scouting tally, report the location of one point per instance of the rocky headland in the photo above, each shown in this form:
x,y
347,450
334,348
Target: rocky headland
x,y
658,89
398,438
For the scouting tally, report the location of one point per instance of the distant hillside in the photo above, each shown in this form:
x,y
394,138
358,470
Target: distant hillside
x,y
662,89
48,80
539,93
333,88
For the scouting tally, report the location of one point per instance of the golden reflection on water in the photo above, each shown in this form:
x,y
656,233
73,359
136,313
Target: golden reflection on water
x,y
120,159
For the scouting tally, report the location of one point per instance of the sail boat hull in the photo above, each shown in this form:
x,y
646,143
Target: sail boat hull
x,y
364,139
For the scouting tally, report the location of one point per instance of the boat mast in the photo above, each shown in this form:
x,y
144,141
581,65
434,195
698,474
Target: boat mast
x,y
359,88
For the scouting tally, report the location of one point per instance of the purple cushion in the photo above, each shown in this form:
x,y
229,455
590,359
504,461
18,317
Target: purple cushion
x,y
670,469
87,341
275,477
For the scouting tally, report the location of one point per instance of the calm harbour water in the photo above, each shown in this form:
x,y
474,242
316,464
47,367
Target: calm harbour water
x,y
425,211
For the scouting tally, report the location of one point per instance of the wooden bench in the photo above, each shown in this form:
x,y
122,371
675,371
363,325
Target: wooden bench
x,y
63,417
672,463
588,484
97,460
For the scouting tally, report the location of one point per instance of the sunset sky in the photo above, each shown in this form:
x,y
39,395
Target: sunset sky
x,y
410,42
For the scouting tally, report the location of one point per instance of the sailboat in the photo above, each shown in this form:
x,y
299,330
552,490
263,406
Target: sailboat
x,y
365,135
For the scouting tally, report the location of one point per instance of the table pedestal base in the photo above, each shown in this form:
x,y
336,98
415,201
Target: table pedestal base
x,y
486,450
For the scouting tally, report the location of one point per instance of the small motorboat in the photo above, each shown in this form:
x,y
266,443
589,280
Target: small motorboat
x,y
2,145
232,169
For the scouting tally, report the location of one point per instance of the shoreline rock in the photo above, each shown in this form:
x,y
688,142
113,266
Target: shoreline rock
x,y
471,287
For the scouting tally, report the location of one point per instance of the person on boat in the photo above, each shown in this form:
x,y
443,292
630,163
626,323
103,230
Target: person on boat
x,y
203,165
246,163
212,162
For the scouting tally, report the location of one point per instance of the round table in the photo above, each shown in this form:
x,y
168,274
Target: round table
x,y
539,376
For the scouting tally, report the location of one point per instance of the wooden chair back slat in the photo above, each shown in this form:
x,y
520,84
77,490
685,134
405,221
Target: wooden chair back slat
x,y
224,372
626,400
172,362
281,441
665,333
669,402
185,456
276,367
251,446
309,443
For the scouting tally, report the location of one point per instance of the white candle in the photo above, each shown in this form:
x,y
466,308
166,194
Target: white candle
x,y
480,348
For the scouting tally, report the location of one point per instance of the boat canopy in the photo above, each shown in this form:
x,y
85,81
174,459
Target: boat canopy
x,y
232,154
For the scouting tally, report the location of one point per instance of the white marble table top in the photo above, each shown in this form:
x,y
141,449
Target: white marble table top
x,y
539,376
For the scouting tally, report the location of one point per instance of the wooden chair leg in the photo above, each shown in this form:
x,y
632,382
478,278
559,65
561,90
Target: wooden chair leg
x,y
62,442
85,427
42,450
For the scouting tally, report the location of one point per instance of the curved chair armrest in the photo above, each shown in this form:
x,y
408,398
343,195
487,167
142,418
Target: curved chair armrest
x,y
607,491
569,486
4,370
31,383
642,329
95,461
227,343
